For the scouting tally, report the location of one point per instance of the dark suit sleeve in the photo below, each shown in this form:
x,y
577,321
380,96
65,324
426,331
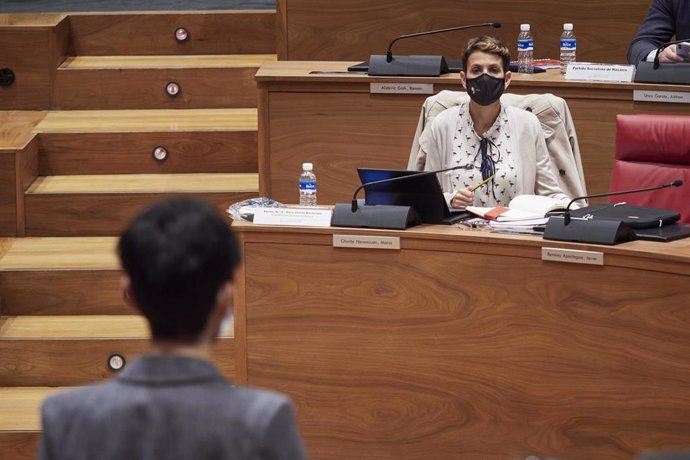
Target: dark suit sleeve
x,y
656,29
281,439
45,449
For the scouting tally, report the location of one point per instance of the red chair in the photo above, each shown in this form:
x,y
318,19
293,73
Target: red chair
x,y
652,150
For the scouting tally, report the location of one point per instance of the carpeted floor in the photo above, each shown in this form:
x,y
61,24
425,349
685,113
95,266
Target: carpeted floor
x,y
63,6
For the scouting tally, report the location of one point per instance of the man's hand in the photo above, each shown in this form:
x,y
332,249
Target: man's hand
x,y
668,54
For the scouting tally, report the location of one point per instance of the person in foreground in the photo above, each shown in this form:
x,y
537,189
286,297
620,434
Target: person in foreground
x,y
488,139
665,19
171,403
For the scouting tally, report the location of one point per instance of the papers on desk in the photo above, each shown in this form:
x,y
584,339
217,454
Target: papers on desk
x,y
521,208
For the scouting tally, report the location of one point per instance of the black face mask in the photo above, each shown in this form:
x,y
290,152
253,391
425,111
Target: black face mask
x,y
485,89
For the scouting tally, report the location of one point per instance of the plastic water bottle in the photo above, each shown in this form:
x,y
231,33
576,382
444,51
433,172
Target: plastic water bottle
x,y
525,46
307,185
568,46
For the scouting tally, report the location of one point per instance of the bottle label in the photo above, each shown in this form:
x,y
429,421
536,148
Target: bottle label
x,y
568,44
525,45
307,186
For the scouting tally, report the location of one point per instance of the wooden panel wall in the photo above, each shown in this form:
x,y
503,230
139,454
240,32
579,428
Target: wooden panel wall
x,y
354,29
434,352
143,34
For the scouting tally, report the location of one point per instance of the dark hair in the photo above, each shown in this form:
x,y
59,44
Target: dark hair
x,y
486,44
178,253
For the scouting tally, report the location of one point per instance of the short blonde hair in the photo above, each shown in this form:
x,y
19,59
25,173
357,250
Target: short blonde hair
x,y
486,44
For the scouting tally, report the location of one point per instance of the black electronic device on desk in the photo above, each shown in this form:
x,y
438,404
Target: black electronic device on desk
x,y
397,199
660,72
609,223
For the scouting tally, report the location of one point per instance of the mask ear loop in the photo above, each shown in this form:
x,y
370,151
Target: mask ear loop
x,y
488,164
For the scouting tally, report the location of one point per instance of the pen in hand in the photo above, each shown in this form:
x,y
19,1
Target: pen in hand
x,y
472,189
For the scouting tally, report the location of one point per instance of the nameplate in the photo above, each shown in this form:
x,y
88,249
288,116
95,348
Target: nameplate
x,y
672,97
366,242
572,256
600,72
401,88
303,217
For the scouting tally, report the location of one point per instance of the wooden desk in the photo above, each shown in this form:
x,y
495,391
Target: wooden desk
x,y
466,345
333,121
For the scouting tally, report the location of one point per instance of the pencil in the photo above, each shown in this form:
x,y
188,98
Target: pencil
x,y
481,183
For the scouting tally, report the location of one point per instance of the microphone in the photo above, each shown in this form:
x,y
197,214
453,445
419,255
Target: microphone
x,y
415,66
355,206
607,227
656,72
408,207
566,214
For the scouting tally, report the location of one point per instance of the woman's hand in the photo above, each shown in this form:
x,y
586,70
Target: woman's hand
x,y
462,198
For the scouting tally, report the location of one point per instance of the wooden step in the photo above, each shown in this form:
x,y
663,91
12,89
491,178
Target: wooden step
x,y
21,407
18,166
74,350
136,82
122,141
143,33
102,205
20,422
32,45
60,276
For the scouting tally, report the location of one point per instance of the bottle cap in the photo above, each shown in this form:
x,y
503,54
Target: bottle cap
x,y
307,166
524,27
567,26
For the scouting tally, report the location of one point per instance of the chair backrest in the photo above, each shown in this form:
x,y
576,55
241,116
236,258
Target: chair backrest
x,y
556,122
652,150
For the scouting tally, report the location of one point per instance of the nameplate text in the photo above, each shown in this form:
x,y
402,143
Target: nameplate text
x,y
401,88
296,216
586,71
366,242
672,97
572,256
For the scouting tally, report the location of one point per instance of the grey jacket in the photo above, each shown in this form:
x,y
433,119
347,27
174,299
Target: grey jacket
x,y
556,123
169,407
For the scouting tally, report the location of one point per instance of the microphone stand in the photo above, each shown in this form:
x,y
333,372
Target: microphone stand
x,y
416,65
395,217
659,72
599,231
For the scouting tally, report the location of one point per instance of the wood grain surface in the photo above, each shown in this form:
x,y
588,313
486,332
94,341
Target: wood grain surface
x,y
103,89
210,32
37,254
19,445
27,51
102,214
8,195
167,120
333,121
130,153
61,292
354,29
448,350
69,362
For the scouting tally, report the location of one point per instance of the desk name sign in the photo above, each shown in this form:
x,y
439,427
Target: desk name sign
x,y
401,88
672,97
302,217
587,71
366,242
572,256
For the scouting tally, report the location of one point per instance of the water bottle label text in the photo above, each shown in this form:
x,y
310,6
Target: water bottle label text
x,y
525,45
307,185
568,44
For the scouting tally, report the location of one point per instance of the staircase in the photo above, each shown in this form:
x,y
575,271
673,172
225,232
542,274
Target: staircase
x,y
88,137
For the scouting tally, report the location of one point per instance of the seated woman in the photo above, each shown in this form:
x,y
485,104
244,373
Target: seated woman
x,y
487,139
